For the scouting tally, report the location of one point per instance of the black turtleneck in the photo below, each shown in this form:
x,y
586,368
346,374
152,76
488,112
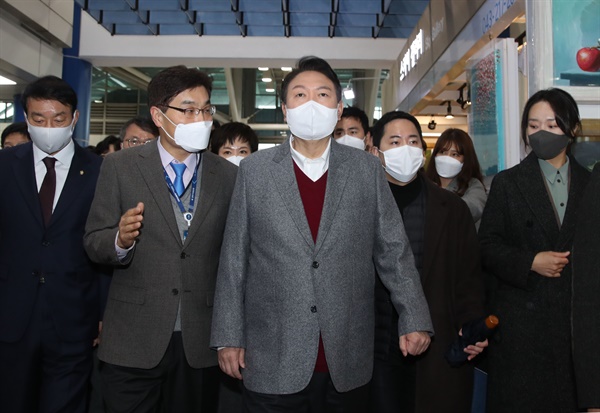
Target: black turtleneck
x,y
406,194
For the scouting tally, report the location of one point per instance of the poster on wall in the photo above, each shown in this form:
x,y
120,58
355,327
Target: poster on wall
x,y
494,116
576,38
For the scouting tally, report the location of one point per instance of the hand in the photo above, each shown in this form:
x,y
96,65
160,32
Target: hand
x,y
550,263
414,343
129,226
474,349
230,361
97,339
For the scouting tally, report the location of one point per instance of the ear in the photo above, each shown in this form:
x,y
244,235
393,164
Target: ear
x,y
284,110
157,116
75,118
340,110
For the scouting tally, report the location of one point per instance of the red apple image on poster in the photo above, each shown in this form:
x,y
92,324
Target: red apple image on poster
x,y
588,58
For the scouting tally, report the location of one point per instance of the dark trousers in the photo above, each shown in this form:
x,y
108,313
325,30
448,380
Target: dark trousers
x,y
42,373
318,397
393,386
172,386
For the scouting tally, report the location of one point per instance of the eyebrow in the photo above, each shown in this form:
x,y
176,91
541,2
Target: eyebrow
x,y
400,137
63,113
193,102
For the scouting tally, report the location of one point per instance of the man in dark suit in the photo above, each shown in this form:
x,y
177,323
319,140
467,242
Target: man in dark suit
x,y
158,217
310,221
50,294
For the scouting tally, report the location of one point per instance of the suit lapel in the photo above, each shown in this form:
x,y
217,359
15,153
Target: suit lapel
x,y
209,187
77,178
150,168
530,181
285,182
337,177
25,178
436,215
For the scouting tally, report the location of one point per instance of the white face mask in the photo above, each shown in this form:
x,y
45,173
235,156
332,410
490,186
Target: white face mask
x,y
352,142
311,120
404,162
50,140
235,159
192,137
447,166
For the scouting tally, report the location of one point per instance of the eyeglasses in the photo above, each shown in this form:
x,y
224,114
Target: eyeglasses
x,y
191,113
138,141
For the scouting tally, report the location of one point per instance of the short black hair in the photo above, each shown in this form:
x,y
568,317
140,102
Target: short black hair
x,y
565,111
144,123
17,127
228,132
391,116
104,145
359,114
50,88
311,64
172,81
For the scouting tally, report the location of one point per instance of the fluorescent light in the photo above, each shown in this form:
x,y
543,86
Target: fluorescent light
x,y
348,93
286,69
4,81
269,90
266,79
263,69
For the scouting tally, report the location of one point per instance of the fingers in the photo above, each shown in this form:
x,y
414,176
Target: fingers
x,y
403,345
230,360
415,343
129,226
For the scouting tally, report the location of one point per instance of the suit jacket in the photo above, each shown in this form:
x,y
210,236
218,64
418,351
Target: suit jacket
x,y
277,288
145,293
453,287
530,349
29,252
586,290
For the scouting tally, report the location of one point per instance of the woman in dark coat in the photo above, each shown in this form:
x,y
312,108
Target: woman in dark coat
x,y
526,237
586,297
442,236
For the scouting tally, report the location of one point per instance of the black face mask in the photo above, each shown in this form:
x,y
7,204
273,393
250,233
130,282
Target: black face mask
x,y
547,145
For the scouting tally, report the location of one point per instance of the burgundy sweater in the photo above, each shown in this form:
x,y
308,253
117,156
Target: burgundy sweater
x,y
313,197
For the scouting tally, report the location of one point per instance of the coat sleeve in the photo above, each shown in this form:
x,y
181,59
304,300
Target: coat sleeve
x,y
475,198
103,220
501,256
395,263
228,328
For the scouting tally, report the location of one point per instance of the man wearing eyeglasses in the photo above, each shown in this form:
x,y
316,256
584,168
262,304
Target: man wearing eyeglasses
x,y
138,131
158,217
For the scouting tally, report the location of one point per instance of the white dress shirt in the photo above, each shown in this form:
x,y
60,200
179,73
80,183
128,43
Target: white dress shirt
x,y
62,165
313,168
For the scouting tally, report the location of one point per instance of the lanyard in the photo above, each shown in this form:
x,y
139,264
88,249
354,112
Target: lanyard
x,y
189,214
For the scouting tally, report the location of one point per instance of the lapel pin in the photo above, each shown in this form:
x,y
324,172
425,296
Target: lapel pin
x,y
81,172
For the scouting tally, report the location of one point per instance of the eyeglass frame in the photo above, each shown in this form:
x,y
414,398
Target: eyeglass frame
x,y
139,141
188,112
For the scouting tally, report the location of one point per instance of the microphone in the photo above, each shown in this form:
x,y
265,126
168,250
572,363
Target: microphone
x,y
472,332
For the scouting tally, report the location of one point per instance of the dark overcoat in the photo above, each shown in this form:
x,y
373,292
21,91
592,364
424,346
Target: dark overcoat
x,y
530,367
586,296
452,283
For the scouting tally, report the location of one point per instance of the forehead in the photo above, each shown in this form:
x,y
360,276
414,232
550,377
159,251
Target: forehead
x,y
349,122
198,96
541,111
237,142
47,107
311,80
135,130
401,127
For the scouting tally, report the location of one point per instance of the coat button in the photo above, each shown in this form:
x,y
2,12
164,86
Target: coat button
x,y
313,309
175,291
315,264
45,243
183,255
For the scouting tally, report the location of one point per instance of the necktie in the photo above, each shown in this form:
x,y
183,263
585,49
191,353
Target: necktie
x,y
47,190
178,184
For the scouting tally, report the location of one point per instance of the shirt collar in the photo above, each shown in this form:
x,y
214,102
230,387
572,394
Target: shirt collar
x,y
551,173
64,156
166,158
313,168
